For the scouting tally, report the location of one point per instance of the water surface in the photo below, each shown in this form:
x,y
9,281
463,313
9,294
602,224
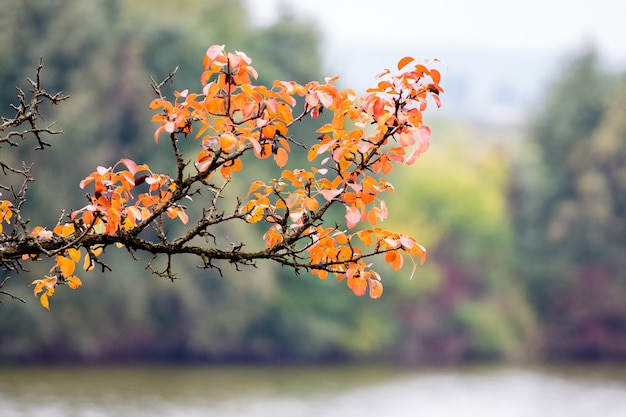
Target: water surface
x,y
315,392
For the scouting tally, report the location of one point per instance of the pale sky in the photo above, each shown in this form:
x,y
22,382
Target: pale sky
x,y
538,25
489,49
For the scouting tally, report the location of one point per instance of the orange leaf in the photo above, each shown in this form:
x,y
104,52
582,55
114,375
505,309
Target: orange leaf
x,y
435,75
341,239
366,237
419,250
397,262
404,61
64,230
376,289
228,142
66,265
358,286
373,215
311,204
321,273
281,156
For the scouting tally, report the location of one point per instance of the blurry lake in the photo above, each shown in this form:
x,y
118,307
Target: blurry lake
x,y
345,391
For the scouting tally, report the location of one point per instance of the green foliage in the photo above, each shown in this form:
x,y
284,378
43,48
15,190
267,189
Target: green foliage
x,y
467,303
105,65
571,210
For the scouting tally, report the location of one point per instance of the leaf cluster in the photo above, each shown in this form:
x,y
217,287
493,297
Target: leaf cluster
x,y
131,206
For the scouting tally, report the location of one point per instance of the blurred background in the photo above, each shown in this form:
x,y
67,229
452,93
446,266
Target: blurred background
x,y
521,203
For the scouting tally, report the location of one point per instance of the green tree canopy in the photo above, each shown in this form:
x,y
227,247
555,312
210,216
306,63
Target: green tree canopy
x,y
570,212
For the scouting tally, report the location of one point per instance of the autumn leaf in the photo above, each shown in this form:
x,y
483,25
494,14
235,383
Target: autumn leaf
x,y
131,165
376,289
281,157
87,264
182,216
404,62
237,122
353,216
228,142
43,300
365,236
212,53
73,282
66,265
358,286
311,204
329,195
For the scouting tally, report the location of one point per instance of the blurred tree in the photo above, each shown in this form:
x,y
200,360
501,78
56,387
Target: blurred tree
x,y
467,303
103,72
569,203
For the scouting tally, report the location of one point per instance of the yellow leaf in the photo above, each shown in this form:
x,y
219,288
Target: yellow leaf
x,y
44,301
256,214
327,128
87,265
74,254
313,152
255,186
74,282
366,237
39,287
